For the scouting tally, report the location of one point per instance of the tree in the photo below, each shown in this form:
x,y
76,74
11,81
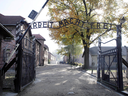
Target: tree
x,y
71,51
87,11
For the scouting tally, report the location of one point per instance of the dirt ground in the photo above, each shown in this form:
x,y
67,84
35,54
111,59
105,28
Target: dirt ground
x,y
62,80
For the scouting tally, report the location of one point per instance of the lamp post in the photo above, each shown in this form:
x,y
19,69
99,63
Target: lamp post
x,y
119,55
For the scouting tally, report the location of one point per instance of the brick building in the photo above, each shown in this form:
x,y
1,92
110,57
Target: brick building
x,y
9,22
46,51
37,52
4,33
51,58
40,45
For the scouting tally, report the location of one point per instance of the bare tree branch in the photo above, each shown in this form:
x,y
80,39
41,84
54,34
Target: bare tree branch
x,y
92,16
85,7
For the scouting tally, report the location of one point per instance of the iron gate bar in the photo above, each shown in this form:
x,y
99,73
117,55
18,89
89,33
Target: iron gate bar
x,y
99,58
125,62
111,62
110,71
111,51
113,86
119,58
28,66
118,80
108,41
9,65
99,37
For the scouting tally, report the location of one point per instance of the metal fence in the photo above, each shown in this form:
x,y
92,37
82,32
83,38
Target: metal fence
x,y
109,71
25,63
28,65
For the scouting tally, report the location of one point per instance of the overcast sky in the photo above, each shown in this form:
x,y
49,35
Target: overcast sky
x,y
24,7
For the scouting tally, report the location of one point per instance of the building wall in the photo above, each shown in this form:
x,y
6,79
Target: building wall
x,y
2,43
52,58
94,61
37,53
8,46
45,57
41,51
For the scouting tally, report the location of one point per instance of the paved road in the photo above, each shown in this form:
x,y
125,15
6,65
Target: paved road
x,y
62,80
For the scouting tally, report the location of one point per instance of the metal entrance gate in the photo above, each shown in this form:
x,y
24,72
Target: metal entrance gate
x,y
109,71
25,64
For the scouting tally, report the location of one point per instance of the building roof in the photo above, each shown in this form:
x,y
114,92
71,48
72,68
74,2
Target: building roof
x,y
10,20
37,41
5,32
94,50
51,54
39,37
45,46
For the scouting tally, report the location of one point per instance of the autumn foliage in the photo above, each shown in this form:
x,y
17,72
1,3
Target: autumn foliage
x,y
109,11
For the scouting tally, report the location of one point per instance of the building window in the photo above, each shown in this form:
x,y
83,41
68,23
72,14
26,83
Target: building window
x,y
6,54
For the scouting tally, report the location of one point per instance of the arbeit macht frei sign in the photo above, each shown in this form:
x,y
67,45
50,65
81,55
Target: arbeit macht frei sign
x,y
74,21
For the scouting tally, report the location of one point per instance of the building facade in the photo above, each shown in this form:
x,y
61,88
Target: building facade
x,y
4,33
9,22
37,53
40,52
51,58
93,55
46,51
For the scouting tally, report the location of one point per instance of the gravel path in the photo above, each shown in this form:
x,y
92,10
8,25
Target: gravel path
x,y
62,80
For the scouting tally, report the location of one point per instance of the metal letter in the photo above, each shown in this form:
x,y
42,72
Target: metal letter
x,y
51,25
45,23
39,24
77,22
98,25
71,22
110,26
66,22
91,24
34,25
105,26
61,24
